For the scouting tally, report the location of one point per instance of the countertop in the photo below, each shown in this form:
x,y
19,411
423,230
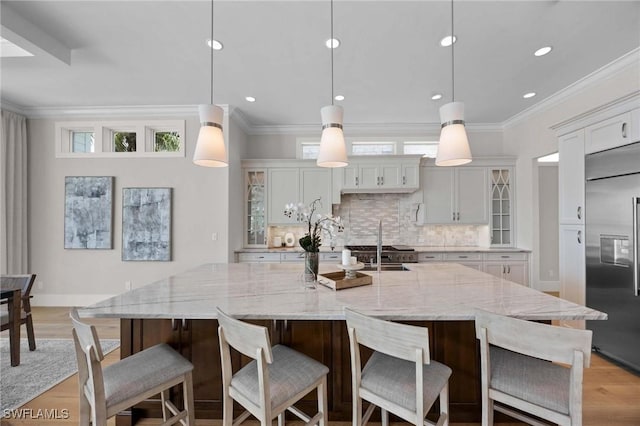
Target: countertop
x,y
433,291
435,249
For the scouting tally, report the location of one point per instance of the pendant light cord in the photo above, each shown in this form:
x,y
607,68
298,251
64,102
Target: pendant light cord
x,y
453,43
332,48
211,48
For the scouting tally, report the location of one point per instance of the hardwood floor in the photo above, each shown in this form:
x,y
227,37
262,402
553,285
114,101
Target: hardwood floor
x,y
610,393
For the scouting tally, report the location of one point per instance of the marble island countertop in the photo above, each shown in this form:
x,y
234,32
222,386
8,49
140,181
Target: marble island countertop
x,y
434,291
435,249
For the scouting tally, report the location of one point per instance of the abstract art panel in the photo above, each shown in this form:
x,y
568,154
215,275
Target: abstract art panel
x,y
146,224
88,206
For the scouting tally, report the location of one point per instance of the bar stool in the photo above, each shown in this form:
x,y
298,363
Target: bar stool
x,y
400,376
26,283
277,378
105,392
519,368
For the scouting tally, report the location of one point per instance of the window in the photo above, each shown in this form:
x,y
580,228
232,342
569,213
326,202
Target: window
x,y
310,151
123,141
427,149
82,141
373,148
153,138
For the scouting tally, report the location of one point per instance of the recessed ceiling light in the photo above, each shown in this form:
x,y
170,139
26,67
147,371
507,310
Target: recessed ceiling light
x,y
543,51
529,95
214,44
446,42
250,99
339,98
332,43
436,96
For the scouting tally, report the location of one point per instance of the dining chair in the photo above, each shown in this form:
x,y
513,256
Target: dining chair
x,y
106,391
533,367
26,283
272,382
400,377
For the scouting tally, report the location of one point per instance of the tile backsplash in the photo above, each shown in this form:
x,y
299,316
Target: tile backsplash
x,y
360,214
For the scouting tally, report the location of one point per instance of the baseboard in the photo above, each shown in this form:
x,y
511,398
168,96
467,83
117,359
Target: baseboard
x,y
547,286
68,299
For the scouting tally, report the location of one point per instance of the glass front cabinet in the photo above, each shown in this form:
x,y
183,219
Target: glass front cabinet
x,y
255,203
501,206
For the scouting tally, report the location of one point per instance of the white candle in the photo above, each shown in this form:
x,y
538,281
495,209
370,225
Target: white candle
x,y
354,260
346,257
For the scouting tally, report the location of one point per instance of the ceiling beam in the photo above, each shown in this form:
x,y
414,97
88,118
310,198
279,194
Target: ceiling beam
x,y
23,33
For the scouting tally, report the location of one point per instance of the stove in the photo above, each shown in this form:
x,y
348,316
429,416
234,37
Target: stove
x,y
390,254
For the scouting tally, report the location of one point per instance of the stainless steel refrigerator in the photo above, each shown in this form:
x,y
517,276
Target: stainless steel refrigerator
x,y
612,210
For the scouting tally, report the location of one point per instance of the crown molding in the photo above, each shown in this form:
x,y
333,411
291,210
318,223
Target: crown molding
x,y
241,120
354,129
629,59
10,106
123,111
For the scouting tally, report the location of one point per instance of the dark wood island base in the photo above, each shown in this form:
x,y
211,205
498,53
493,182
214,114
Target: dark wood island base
x,y
452,343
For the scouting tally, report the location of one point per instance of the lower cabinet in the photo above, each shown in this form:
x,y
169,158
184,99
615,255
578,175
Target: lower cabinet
x,y
452,343
509,266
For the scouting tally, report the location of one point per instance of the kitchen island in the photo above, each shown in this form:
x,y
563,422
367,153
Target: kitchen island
x,y
180,310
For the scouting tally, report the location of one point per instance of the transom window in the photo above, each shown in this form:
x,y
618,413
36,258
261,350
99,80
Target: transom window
x,y
427,149
373,148
308,149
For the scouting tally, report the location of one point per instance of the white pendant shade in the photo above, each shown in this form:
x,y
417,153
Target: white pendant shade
x,y
333,152
453,148
210,149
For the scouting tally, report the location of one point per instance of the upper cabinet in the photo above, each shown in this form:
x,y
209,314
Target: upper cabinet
x,y
571,178
615,131
501,193
293,185
379,174
456,195
255,203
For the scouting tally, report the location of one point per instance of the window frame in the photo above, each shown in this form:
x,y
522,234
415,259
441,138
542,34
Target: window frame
x,y
103,138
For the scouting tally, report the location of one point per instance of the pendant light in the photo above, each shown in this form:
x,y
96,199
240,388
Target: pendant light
x,y
333,152
453,149
210,149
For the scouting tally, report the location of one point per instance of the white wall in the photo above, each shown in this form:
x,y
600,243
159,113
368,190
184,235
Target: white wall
x,y
237,151
80,277
548,267
533,137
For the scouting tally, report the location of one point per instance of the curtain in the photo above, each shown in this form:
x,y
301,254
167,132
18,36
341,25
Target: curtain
x,y
13,194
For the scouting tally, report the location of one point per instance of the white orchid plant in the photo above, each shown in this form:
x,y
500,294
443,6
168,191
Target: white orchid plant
x,y
316,223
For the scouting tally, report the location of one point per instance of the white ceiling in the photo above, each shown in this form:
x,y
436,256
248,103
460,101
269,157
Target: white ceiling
x,y
131,53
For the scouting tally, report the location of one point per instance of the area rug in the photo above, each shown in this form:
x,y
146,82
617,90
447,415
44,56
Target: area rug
x,y
52,362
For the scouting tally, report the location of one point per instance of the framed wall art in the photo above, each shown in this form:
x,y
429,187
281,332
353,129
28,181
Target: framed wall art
x,y
146,224
88,207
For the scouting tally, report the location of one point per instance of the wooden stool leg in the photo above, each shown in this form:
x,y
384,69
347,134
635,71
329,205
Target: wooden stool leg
x,y
444,403
323,405
187,387
29,324
384,416
164,396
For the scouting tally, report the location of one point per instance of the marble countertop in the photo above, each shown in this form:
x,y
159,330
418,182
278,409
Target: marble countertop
x,y
433,291
435,249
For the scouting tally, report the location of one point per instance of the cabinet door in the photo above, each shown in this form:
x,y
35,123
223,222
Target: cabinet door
x,y
284,188
518,273
495,269
571,178
349,177
368,176
472,195
410,175
316,183
390,175
608,134
438,187
572,263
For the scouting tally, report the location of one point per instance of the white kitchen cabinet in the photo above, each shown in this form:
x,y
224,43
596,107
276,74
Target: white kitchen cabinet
x,y
502,203
293,185
610,133
572,263
424,257
283,188
255,224
258,257
571,178
469,259
457,195
331,257
509,266
374,174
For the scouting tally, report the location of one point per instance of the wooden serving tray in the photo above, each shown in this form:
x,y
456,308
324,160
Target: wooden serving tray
x,y
337,281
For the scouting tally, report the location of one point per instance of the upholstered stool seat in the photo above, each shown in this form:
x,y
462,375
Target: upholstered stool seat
x,y
394,380
289,374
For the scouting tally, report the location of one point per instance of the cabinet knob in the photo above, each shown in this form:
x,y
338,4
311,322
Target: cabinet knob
x,y
579,212
579,237
404,180
458,216
356,180
624,130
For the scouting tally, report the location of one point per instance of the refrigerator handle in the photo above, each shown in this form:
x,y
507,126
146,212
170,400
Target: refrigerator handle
x,y
635,202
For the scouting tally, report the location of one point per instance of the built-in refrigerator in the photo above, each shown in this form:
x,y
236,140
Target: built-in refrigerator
x,y
612,210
